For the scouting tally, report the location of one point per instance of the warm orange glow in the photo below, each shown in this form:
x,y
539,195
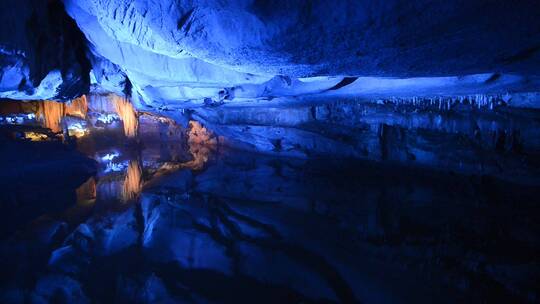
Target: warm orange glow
x,y
127,114
201,145
34,136
51,112
133,182
78,107
199,135
200,155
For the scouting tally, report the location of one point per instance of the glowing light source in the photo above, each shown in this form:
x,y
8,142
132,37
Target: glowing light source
x,y
77,130
34,136
110,156
106,118
115,167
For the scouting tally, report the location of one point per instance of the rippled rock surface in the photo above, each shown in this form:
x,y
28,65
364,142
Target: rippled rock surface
x,y
299,38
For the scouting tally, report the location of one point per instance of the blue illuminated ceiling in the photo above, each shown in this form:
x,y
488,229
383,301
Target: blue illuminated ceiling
x,y
175,51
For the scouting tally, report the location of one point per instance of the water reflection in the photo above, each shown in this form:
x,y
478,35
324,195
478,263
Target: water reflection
x,y
86,193
132,182
184,221
125,170
231,227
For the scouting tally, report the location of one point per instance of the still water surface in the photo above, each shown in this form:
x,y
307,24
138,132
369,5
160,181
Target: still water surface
x,y
175,224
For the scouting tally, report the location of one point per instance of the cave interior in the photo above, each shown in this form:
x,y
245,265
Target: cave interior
x,y
267,151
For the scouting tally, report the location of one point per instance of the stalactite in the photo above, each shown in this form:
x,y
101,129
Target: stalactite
x,y
78,107
51,112
127,114
445,103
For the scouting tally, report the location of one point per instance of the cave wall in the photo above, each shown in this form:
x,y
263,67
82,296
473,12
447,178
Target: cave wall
x,y
442,134
42,52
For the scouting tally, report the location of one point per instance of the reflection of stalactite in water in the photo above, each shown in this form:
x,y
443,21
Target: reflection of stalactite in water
x,y
200,154
127,114
51,112
133,182
198,135
201,143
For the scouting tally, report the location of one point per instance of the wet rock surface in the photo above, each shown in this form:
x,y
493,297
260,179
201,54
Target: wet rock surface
x,y
253,228
493,139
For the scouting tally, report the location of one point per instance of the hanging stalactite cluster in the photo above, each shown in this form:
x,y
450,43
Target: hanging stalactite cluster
x,y
127,114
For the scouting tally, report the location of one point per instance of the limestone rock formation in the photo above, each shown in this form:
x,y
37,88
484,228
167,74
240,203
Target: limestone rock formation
x,y
42,52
